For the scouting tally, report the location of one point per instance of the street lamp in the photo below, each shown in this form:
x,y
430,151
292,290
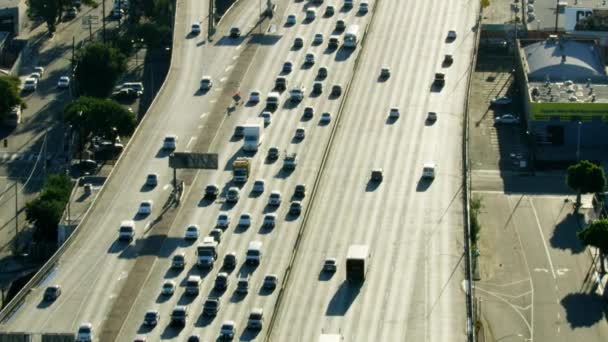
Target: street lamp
x,y
81,135
578,143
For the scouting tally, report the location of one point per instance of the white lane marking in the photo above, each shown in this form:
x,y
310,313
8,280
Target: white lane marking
x,y
201,126
235,57
167,186
192,139
540,231
228,68
203,115
238,47
123,275
213,101
223,79
219,89
14,156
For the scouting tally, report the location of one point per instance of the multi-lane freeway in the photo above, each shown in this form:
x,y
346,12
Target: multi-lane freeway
x,y
414,287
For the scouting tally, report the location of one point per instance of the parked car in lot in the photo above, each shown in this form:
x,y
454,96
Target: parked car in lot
x,y
501,100
507,119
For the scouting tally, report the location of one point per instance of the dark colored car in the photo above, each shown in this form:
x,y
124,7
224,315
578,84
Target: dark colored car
x,y
309,112
211,306
300,190
230,260
239,131
336,90
221,281
126,94
295,208
273,153
235,32
52,292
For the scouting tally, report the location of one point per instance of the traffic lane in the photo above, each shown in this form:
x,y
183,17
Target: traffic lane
x,y
346,225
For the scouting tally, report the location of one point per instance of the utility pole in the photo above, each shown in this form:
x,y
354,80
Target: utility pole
x,y
556,13
73,51
103,19
44,147
16,243
211,21
90,30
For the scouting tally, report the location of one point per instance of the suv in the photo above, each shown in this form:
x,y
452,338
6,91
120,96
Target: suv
x,y
295,208
223,220
280,84
377,175
230,261
300,190
309,112
334,42
151,318
273,153
309,58
336,90
179,260
179,315
221,281
211,190
329,10
211,306
317,87
256,319
235,32
239,131
439,80
340,25
242,285
269,220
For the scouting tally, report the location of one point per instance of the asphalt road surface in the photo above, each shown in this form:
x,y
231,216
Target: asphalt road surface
x,y
278,242
94,268
414,228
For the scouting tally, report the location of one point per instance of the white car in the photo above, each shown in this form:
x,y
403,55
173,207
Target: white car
x,y
267,116
30,84
270,220
245,220
36,75
168,288
227,330
152,179
507,119
223,220
325,117
393,113
451,35
258,186
254,96
291,19
145,207
170,142
39,70
196,28
84,333
309,58
64,82
192,232
318,39
275,198
501,100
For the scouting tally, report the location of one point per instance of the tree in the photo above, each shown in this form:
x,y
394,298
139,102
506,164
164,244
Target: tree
x,y
9,94
585,177
98,68
99,117
45,211
48,10
484,3
596,235
155,35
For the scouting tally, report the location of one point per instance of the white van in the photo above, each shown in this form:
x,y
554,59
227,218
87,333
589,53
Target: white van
x,y
272,100
428,170
254,253
193,284
137,86
13,118
126,230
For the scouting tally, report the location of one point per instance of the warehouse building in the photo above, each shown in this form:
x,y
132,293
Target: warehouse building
x,y
564,87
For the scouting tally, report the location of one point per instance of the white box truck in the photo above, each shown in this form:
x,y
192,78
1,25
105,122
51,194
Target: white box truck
x,y
206,252
357,261
330,338
253,135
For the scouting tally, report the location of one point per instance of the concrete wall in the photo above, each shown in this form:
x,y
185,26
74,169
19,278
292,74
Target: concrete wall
x,y
13,10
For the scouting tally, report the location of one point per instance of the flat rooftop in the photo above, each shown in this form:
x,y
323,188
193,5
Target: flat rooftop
x,y
544,12
554,92
560,60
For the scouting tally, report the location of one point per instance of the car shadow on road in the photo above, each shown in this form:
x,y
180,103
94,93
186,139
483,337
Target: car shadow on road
x,y
171,331
564,235
343,54
203,320
584,309
372,185
423,184
343,298
144,329
249,334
